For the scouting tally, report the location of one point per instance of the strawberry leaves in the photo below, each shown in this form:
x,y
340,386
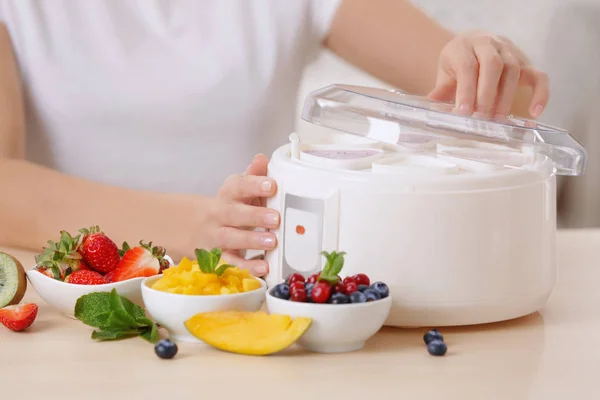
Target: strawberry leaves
x,y
333,267
124,249
115,317
157,251
90,231
60,257
208,261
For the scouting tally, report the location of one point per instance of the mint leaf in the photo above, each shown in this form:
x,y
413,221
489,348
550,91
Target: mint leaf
x,y
208,261
150,334
120,321
205,260
330,279
144,322
219,271
115,316
333,267
93,309
337,264
119,317
327,267
133,309
113,334
216,253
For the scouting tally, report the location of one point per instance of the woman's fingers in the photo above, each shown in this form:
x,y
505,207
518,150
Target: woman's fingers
x,y
241,215
445,89
233,238
466,70
237,210
491,67
483,72
258,166
539,82
509,82
257,267
244,187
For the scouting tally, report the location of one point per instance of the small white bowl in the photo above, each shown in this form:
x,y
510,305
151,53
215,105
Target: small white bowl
x,y
171,310
63,296
335,328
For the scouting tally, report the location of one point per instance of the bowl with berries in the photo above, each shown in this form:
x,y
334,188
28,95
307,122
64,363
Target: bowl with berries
x,y
345,312
76,265
206,284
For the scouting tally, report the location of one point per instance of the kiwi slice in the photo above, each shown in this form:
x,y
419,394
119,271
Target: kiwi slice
x,y
13,282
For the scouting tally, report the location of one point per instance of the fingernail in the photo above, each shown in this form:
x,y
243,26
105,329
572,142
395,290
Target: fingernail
x,y
267,241
266,186
465,108
537,110
272,219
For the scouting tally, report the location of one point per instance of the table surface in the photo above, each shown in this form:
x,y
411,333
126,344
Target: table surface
x,y
547,355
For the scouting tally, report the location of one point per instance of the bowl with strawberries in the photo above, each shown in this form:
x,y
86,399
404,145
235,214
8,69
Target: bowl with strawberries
x,y
345,312
74,266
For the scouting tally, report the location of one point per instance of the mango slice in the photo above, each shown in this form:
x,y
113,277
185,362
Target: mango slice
x,y
187,278
249,333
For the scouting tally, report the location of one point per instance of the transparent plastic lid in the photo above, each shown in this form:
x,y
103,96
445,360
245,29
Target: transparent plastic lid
x,y
394,117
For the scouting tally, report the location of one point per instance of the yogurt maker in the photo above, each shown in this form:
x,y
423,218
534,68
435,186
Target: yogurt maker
x,y
457,214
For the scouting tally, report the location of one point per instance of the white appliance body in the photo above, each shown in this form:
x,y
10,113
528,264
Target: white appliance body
x,y
454,248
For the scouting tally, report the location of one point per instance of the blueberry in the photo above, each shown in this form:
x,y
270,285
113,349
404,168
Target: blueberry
x,y
381,288
165,349
362,288
309,287
437,348
371,295
358,297
281,291
432,335
339,298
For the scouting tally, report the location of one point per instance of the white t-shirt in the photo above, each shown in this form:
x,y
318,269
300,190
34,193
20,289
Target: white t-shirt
x,y
166,95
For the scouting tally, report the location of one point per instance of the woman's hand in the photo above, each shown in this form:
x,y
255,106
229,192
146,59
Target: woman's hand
x,y
238,209
481,72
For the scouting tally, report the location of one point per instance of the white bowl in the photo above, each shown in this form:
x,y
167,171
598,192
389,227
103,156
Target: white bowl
x,y
63,296
171,310
335,328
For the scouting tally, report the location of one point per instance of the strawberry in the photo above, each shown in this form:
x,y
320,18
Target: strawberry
x,y
86,277
46,271
109,277
141,261
18,317
164,264
61,258
98,250
83,266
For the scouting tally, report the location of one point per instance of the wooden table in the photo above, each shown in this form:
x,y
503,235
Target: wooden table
x,y
548,355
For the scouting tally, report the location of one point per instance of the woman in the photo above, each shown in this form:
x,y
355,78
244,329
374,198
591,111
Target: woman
x,y
130,113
